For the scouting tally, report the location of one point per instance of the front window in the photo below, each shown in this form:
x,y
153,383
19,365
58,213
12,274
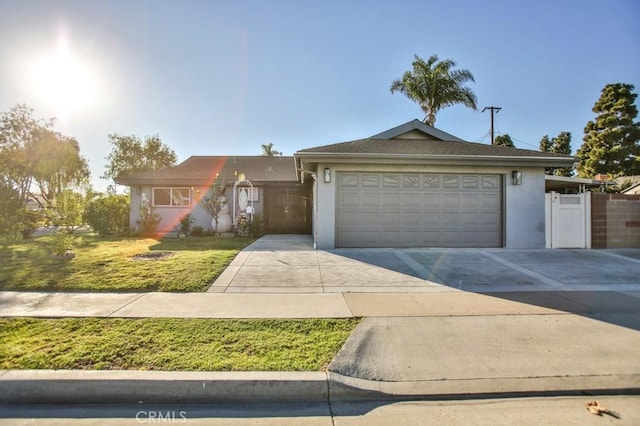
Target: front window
x,y
171,197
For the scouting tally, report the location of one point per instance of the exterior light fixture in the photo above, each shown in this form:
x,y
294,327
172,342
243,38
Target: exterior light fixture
x,y
516,176
327,175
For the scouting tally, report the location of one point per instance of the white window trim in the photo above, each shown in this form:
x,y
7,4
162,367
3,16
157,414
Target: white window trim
x,y
170,188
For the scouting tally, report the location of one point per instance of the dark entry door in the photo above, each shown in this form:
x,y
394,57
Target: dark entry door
x,y
287,209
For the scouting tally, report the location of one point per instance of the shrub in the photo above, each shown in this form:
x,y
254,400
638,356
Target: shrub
x,y
61,242
185,223
149,219
108,215
197,231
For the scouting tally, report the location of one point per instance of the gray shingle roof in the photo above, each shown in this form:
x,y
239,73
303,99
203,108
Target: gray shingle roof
x,y
417,140
425,147
202,170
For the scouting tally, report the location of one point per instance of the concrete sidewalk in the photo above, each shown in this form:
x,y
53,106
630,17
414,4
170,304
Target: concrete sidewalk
x,y
312,305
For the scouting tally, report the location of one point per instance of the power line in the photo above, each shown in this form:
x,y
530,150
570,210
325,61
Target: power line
x,y
481,138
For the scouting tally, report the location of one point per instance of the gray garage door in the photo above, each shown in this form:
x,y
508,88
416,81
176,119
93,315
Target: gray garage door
x,y
418,210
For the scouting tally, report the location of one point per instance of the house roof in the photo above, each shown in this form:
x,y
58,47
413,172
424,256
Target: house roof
x,y
565,183
633,189
416,141
425,129
203,170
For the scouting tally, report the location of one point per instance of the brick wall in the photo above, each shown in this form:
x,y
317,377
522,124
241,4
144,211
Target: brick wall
x,y
615,220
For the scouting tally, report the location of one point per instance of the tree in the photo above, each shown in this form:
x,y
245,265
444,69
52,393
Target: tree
x,y
435,85
545,144
130,155
59,165
69,209
19,132
612,142
11,211
561,144
268,151
34,157
504,140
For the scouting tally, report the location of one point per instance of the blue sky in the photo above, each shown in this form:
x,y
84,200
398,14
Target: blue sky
x,y
223,77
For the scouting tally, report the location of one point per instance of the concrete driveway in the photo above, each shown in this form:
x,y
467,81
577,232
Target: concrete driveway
x,y
288,264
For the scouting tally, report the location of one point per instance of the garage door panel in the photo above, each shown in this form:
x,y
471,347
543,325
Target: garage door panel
x,y
370,199
390,200
414,210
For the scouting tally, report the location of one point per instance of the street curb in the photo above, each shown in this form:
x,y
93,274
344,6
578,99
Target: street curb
x,y
79,386
345,388
124,386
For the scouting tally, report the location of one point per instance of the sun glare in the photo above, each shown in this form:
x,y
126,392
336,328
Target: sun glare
x,y
64,82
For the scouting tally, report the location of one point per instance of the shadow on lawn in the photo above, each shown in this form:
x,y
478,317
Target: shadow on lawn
x,y
18,262
201,243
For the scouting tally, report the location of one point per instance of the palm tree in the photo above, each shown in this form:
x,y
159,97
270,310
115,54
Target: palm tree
x,y
435,85
268,151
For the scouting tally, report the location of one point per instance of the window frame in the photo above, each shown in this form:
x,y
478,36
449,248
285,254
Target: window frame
x,y
171,198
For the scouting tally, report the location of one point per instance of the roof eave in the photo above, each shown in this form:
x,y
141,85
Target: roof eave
x,y
310,157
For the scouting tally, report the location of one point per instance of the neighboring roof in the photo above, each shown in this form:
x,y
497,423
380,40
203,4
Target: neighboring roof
x,y
202,170
563,183
416,142
633,189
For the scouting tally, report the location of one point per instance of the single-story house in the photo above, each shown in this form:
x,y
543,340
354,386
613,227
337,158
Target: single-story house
x,y
272,185
417,186
410,186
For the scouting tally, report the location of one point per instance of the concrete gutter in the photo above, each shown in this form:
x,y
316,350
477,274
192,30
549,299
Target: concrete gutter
x,y
89,387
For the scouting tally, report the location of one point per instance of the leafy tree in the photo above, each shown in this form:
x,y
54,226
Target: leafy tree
x,y
130,155
69,209
59,165
34,157
108,214
545,144
268,151
504,140
11,212
435,85
612,141
561,144
19,133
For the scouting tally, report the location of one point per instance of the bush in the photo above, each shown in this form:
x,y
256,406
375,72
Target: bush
x,y
185,223
253,228
108,215
149,219
61,242
197,231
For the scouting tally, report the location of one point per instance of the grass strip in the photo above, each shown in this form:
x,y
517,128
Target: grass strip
x,y
172,344
113,264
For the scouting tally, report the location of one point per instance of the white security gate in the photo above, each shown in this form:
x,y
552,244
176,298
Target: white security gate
x,y
568,218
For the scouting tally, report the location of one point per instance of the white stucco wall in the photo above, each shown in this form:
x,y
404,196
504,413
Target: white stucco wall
x,y
524,213
170,216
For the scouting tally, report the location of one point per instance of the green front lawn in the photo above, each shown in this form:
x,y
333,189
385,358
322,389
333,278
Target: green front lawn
x,y
171,344
115,264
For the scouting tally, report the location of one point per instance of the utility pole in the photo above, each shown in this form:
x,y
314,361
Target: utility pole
x,y
492,109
